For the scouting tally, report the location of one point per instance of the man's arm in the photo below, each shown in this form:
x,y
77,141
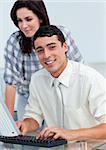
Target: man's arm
x,y
97,132
27,125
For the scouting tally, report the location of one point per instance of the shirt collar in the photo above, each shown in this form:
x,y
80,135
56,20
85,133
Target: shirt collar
x,y
64,78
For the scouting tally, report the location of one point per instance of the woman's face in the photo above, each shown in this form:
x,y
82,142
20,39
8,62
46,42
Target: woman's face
x,y
28,22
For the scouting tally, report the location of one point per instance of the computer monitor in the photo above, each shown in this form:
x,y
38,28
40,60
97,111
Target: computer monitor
x,y
7,124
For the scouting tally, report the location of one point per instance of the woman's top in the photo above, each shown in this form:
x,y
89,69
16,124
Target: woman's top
x,y
19,67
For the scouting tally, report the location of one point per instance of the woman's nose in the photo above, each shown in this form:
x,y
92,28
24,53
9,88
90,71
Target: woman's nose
x,y
24,25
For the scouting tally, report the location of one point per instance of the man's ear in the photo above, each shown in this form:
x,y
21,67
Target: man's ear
x,y
65,46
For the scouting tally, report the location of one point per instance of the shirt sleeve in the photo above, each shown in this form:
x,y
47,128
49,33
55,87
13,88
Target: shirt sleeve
x,y
11,73
73,52
32,109
97,97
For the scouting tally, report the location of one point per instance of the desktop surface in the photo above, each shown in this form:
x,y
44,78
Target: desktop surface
x,y
91,145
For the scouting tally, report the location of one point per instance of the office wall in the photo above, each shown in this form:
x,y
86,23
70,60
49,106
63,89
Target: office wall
x,y
85,19
6,26
87,22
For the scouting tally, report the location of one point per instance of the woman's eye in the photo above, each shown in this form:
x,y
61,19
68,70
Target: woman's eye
x,y
19,20
28,19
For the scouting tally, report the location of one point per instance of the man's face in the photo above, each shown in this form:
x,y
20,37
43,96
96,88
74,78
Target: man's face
x,y
51,54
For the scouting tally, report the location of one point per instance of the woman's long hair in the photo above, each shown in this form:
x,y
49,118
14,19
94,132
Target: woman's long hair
x,y
38,8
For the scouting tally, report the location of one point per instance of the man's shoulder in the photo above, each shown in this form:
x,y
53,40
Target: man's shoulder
x,y
40,74
85,70
41,78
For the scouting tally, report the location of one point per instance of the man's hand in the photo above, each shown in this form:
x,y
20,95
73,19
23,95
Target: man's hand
x,y
96,132
55,133
27,125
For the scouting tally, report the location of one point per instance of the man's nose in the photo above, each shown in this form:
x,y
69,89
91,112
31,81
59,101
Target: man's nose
x,y
47,52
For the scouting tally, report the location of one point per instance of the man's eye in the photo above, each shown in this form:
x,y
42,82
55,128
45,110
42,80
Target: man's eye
x,y
52,47
39,50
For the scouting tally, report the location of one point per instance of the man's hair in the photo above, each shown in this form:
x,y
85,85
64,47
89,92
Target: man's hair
x,y
49,30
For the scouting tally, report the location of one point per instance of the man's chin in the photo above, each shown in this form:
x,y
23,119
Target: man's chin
x,y
53,72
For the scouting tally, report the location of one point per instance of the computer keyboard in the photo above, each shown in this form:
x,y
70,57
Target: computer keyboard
x,y
32,141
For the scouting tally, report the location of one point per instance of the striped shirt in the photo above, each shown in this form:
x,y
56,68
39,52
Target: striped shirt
x,y
15,60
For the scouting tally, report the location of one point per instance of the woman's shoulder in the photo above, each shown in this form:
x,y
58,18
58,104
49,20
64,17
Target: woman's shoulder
x,y
15,36
66,31
63,28
12,44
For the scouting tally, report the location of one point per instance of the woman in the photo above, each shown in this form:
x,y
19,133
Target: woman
x,y
20,58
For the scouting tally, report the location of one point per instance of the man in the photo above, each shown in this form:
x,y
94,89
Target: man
x,y
75,109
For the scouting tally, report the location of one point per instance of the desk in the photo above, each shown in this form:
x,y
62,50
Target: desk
x,y
90,145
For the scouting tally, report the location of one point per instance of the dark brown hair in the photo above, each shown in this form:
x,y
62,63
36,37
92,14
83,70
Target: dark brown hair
x,y
49,30
38,8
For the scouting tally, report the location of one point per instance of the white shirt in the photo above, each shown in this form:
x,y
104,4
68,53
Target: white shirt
x,y
83,97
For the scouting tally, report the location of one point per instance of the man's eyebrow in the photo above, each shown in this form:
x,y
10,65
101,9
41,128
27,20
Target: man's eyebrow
x,y
36,48
50,44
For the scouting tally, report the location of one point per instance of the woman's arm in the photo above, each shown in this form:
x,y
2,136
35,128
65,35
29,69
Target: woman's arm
x,y
11,73
10,98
